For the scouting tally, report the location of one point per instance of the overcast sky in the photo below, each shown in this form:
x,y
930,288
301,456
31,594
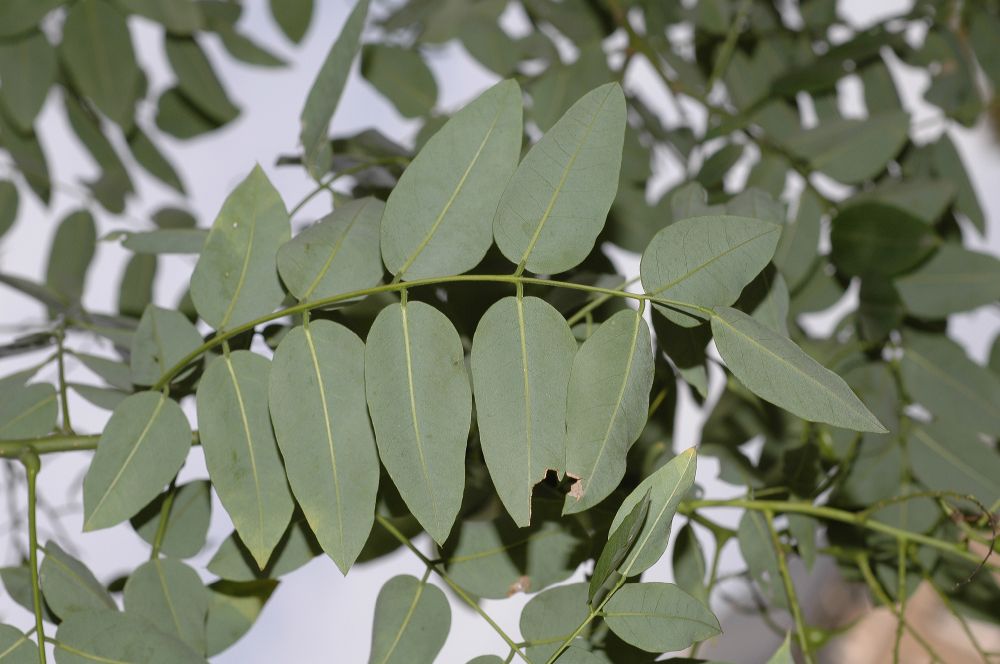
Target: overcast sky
x,y
316,614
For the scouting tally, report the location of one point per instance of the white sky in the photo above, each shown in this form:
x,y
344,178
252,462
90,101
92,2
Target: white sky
x,y
316,614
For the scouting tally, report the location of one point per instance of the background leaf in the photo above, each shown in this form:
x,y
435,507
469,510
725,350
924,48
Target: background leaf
x,y
954,279
401,75
293,16
325,92
162,339
187,524
27,68
15,647
551,616
27,412
108,75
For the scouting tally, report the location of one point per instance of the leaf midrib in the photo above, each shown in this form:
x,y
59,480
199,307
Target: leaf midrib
x,y
413,409
812,379
249,438
329,435
562,181
618,402
406,621
451,199
639,547
333,252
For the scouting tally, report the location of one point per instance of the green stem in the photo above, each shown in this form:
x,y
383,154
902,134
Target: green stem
x,y
32,464
301,307
593,613
596,302
832,514
726,52
67,424
161,527
11,449
866,571
324,185
801,632
458,590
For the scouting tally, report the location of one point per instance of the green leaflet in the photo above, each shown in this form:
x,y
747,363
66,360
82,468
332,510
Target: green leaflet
x,y
136,288
187,525
17,583
482,659
688,564
946,460
606,406
878,240
108,75
27,411
437,218
179,117
170,595
522,354
106,398
421,406
706,261
196,79
796,250
325,92
621,539
536,225
179,17
17,16
938,374
162,339
758,551
114,372
948,165
924,198
71,254
293,17
9,201
412,619
497,559
777,370
241,452
233,609
659,617
166,241
560,85
851,150
339,254
122,638
27,69
551,616
29,158
113,185
142,447
15,647
233,562
317,402
666,488
401,75
236,279
68,585
783,655
953,280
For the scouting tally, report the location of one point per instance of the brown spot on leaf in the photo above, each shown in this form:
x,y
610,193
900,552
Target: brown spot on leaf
x,y
522,585
576,488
